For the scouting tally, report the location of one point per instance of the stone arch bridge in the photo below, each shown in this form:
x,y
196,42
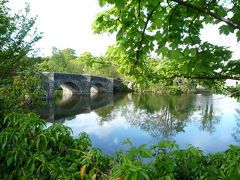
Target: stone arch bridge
x,y
78,84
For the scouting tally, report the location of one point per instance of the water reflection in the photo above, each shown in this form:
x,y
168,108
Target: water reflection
x,y
161,115
68,108
207,121
208,117
236,130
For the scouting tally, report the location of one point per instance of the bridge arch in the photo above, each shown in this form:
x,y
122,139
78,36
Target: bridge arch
x,y
97,88
76,84
101,84
69,88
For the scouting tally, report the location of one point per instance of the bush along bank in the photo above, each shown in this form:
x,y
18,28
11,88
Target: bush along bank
x,y
30,150
178,85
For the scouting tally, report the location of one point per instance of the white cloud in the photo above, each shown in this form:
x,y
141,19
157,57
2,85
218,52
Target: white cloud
x,y
67,24
89,123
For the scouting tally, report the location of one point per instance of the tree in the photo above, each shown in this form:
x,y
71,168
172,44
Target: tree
x,y
69,54
59,61
16,39
171,29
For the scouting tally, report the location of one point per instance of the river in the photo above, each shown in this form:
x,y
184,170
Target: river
x,y
210,122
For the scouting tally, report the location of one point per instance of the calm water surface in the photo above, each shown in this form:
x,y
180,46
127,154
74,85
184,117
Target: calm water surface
x,y
210,122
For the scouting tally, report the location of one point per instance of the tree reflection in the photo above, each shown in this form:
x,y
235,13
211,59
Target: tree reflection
x,y
236,130
208,117
105,114
164,116
109,112
161,115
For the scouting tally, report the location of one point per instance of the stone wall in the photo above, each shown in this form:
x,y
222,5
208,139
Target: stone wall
x,y
76,84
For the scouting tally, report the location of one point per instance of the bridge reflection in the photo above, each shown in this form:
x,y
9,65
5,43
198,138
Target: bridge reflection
x,y
76,104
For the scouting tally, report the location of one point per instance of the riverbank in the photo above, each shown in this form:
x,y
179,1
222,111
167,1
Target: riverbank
x,y
199,91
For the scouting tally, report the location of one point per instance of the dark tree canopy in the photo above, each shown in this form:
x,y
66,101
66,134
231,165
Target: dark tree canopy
x,y
171,29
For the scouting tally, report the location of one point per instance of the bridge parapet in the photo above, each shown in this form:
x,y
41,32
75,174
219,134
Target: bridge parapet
x,y
73,84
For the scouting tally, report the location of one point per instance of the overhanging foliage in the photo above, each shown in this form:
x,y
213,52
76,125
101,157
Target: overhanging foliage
x,y
171,29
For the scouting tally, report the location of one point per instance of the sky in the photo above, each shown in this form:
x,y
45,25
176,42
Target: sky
x,y
67,24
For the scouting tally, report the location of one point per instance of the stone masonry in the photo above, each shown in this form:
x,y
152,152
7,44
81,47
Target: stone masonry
x,y
77,84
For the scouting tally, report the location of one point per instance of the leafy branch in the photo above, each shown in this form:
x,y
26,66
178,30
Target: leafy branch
x,y
206,11
236,5
139,8
170,18
212,77
143,32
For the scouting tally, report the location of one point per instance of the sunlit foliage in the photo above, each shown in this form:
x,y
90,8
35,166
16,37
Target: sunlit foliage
x,y
171,29
17,37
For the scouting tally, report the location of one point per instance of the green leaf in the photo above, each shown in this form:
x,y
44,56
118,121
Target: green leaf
x,y
9,160
164,144
154,2
145,175
238,35
127,141
176,54
102,2
192,52
163,50
158,35
32,167
187,40
141,147
93,177
221,11
146,153
157,22
224,29
168,178
120,4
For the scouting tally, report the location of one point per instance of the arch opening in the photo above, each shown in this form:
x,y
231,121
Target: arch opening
x,y
65,91
96,89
